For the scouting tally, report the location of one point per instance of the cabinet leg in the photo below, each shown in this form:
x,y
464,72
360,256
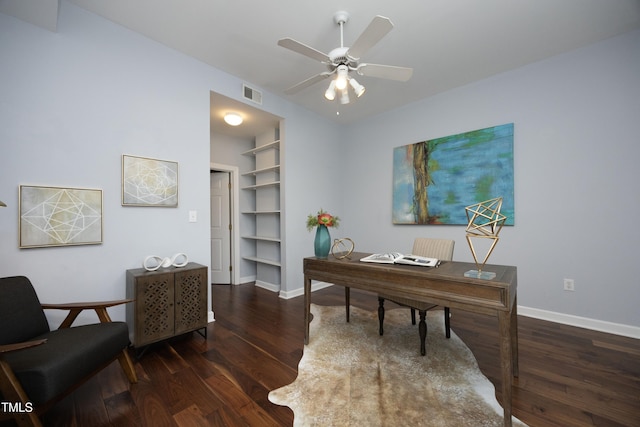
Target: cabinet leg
x,y
202,332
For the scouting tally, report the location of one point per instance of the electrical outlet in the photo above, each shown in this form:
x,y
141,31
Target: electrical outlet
x,y
193,216
569,285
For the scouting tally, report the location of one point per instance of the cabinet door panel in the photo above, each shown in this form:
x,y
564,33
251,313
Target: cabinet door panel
x,y
191,300
155,308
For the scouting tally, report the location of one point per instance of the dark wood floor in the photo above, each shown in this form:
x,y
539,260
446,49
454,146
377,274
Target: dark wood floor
x,y
568,376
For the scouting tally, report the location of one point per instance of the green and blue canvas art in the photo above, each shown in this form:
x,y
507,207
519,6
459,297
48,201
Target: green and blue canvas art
x,y
434,180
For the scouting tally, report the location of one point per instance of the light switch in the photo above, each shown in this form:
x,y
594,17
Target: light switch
x,y
193,216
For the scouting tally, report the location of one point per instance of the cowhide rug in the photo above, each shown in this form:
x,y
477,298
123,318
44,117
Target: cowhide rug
x,y
351,376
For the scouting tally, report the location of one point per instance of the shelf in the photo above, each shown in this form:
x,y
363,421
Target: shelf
x,y
264,185
274,144
263,238
262,260
261,212
257,171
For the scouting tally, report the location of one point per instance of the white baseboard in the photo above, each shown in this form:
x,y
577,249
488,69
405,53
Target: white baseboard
x,y
551,316
300,291
268,286
211,317
247,279
581,322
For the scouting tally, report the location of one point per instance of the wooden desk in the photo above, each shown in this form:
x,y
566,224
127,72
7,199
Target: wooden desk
x,y
445,286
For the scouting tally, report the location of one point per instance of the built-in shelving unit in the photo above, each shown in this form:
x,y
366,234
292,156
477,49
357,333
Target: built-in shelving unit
x,y
263,204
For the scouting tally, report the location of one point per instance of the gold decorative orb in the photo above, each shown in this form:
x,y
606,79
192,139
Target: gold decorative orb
x,y
342,248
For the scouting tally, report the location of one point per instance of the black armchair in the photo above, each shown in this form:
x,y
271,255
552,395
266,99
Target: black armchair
x,y
39,366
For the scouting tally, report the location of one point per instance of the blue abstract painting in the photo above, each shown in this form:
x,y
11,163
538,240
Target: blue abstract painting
x,y
433,181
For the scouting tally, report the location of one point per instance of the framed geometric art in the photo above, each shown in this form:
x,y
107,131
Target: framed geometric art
x,y
58,216
433,181
149,182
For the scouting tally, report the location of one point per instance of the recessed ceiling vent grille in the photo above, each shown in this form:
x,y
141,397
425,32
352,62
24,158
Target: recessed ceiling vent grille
x,y
252,94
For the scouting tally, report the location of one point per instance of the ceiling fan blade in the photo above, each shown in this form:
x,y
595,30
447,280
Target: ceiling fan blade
x,y
390,72
377,29
303,49
306,83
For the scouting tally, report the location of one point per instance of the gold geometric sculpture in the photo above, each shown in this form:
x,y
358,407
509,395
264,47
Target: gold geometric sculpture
x,y
484,221
342,250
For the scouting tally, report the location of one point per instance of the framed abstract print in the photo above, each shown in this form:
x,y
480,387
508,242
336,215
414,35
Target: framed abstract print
x,y
59,216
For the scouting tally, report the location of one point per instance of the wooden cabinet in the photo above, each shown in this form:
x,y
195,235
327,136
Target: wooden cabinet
x,y
167,302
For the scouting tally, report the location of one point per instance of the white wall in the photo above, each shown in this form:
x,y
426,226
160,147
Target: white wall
x,y
74,101
576,148
312,178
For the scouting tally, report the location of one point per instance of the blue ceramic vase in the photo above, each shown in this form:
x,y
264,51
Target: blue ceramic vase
x,y
322,243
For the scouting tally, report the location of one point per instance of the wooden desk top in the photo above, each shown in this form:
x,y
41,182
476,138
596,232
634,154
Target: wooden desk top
x,y
445,285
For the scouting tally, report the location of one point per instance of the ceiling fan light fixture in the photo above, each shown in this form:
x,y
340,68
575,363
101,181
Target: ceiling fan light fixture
x,y
344,99
357,87
343,76
330,94
233,119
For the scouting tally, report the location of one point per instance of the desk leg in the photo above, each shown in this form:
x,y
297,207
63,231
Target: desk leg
x,y
307,308
514,338
347,300
506,357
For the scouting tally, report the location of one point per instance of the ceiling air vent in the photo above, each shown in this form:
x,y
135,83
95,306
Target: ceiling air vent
x,y
252,94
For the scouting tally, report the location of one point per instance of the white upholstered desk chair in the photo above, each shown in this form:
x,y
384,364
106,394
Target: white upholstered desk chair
x,y
441,249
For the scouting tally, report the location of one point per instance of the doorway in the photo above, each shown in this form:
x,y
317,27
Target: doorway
x,y
220,228
224,235
230,145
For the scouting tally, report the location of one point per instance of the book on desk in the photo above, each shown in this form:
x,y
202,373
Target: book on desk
x,y
398,258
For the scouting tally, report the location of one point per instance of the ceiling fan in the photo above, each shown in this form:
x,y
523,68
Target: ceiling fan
x,y
342,60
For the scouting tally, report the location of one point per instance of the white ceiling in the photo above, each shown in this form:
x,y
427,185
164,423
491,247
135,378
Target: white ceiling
x,y
448,43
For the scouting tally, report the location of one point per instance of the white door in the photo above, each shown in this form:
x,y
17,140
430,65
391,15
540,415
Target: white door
x,y
220,228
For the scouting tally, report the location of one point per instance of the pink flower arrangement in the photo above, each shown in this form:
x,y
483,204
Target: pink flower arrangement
x,y
322,218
